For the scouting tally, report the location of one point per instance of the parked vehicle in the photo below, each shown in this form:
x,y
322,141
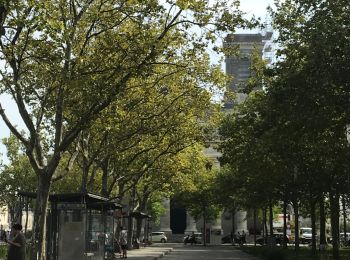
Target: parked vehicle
x,y
226,239
344,241
159,237
278,237
305,235
197,238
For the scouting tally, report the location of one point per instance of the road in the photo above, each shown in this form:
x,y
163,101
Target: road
x,y
181,252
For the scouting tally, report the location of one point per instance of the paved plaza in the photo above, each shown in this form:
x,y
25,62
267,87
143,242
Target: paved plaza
x,y
181,252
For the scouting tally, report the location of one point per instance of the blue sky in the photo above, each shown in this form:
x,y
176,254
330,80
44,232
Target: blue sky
x,y
251,7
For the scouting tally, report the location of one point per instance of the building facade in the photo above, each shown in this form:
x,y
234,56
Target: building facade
x,y
239,68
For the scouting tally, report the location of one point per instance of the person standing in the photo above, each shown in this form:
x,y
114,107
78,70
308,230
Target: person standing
x,y
17,245
123,242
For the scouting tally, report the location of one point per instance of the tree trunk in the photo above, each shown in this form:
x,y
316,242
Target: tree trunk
x,y
233,222
204,227
265,225
138,229
27,213
334,203
12,214
104,186
285,224
313,226
296,225
271,219
139,222
344,219
39,234
130,219
84,179
130,231
323,240
254,227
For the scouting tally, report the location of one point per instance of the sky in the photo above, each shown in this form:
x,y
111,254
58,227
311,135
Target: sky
x,y
250,7
256,7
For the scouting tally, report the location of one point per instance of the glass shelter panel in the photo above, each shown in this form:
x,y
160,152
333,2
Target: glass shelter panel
x,y
110,236
95,235
71,240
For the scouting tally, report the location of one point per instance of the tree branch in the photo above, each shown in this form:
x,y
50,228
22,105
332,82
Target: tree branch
x,y
12,127
68,167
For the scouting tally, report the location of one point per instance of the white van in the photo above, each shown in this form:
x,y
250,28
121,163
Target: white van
x,y
305,235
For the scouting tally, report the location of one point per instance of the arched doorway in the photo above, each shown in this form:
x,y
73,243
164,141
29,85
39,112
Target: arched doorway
x,y
177,218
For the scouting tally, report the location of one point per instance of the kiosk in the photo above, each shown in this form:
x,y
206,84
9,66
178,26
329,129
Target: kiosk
x,y
80,225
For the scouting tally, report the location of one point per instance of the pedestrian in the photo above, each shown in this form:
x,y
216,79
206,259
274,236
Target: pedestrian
x,y
187,239
193,238
16,249
239,238
243,237
123,242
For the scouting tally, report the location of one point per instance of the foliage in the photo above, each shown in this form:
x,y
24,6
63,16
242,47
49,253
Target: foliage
x,y
269,253
67,63
16,176
3,252
290,135
156,209
201,201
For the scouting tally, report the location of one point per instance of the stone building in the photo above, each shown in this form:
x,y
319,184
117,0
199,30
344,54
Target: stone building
x,y
176,220
238,66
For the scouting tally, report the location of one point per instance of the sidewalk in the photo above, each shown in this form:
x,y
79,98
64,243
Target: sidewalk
x,y
149,253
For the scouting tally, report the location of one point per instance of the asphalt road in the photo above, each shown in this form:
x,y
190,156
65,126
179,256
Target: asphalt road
x,y
181,252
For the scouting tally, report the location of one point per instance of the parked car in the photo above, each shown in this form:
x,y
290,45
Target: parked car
x,y
346,241
278,237
159,237
226,239
198,238
305,235
341,238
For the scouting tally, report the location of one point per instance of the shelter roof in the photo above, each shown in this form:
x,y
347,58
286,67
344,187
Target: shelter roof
x,y
137,214
89,199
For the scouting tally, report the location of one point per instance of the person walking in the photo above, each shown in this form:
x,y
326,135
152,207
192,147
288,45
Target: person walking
x,y
123,242
244,241
193,238
16,249
232,237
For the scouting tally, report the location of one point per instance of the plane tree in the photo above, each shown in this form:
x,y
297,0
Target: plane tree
x,y
315,74
150,123
66,62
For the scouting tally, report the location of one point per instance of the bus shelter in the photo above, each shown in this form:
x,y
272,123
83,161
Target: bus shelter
x,y
137,216
80,225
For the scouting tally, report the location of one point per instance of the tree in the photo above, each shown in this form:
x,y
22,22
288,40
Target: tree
x,y
16,176
66,62
200,199
315,70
